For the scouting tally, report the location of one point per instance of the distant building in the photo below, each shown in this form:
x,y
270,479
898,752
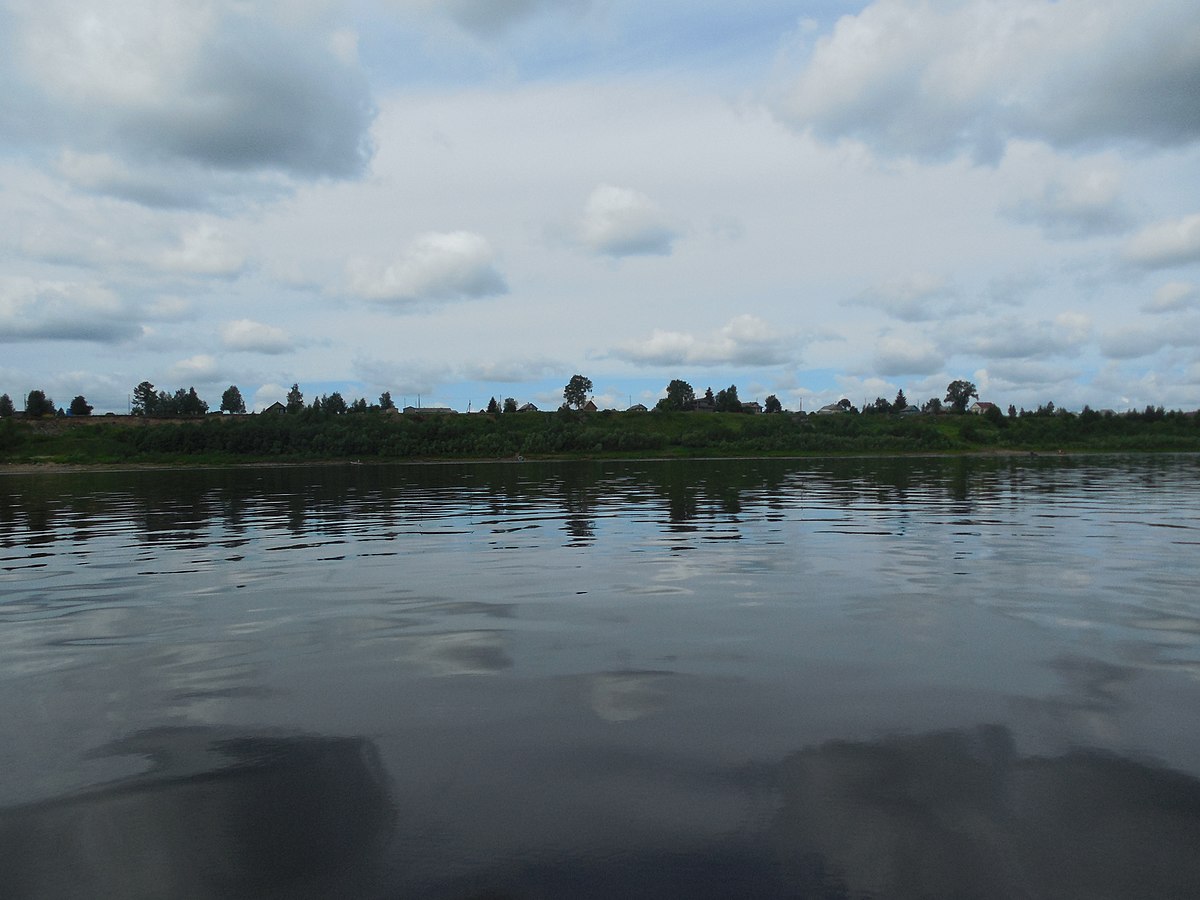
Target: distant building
x,y
589,406
979,407
637,407
528,407
829,409
751,406
428,411
275,409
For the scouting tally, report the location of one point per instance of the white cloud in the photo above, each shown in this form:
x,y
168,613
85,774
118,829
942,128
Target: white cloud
x,y
437,266
1013,338
1173,296
161,185
1173,242
510,371
268,394
744,340
1136,340
248,335
1067,199
199,367
906,354
622,222
63,311
206,83
204,250
911,77
488,18
920,297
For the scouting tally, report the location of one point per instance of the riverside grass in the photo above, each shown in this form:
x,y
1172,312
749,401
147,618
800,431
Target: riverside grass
x,y
371,435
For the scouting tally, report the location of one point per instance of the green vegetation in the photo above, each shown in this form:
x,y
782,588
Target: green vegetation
x,y
320,433
576,391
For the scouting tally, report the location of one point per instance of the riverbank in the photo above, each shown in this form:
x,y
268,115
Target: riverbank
x,y
306,438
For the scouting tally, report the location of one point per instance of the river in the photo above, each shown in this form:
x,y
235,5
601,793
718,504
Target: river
x,y
924,677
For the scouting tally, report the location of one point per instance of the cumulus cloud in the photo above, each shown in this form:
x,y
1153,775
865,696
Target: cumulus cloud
x,y
437,266
63,311
1013,338
488,18
204,250
267,394
1174,296
1132,341
744,340
930,80
906,354
162,185
1019,374
1174,242
915,298
248,335
1067,200
199,367
621,222
510,371
209,84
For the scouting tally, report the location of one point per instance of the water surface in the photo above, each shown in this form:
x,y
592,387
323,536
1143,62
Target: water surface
x,y
920,677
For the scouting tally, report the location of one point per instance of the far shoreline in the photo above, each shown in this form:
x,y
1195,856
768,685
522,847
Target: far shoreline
x,y
50,467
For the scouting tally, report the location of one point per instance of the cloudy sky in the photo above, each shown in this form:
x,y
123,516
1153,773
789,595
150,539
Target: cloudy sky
x,y
459,199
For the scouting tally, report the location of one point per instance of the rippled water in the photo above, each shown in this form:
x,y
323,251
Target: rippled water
x,y
923,677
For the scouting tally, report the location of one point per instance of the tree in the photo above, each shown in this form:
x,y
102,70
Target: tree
x,y
680,396
727,400
880,406
932,405
359,405
1012,411
295,399
845,405
6,406
772,404
188,403
510,405
80,407
385,401
493,407
334,404
901,402
576,391
231,400
959,394
145,400
37,404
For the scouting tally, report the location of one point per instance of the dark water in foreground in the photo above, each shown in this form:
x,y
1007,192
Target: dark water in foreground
x,y
975,678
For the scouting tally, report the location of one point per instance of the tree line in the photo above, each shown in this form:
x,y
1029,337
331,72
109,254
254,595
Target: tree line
x,y
150,402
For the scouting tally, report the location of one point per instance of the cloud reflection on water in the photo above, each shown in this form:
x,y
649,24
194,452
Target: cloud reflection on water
x,y
219,813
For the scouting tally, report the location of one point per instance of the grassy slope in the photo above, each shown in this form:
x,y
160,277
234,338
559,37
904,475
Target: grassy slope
x,y
374,436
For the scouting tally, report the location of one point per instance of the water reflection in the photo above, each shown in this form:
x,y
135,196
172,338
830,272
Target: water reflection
x,y
946,814
963,814
591,679
180,507
220,813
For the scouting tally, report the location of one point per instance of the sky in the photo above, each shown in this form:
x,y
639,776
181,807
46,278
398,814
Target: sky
x,y
452,200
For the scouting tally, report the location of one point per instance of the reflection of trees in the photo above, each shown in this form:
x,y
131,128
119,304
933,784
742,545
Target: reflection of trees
x,y
221,814
176,507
